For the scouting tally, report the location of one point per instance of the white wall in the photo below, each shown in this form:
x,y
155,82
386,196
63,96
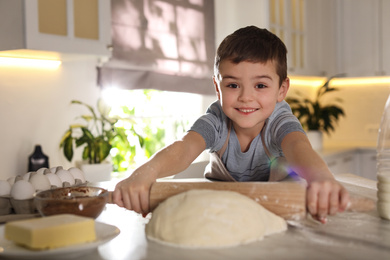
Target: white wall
x,y
35,109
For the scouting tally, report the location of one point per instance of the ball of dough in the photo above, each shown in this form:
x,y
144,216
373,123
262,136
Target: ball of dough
x,y
210,218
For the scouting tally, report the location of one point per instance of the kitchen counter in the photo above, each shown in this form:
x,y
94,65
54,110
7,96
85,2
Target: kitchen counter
x,y
347,235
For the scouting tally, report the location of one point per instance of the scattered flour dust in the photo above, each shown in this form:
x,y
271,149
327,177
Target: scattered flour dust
x,y
211,219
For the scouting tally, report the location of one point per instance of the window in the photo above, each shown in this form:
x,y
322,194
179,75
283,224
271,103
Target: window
x,y
161,44
160,117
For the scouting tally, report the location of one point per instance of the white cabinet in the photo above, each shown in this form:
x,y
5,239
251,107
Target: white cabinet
x,y
361,162
65,26
298,25
385,36
360,41
361,36
366,163
344,162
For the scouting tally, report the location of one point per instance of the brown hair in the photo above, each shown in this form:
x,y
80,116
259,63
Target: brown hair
x,y
254,45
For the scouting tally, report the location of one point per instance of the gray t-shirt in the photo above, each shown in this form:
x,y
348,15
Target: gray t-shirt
x,y
253,165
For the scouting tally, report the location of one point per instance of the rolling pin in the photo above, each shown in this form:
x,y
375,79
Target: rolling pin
x,y
285,199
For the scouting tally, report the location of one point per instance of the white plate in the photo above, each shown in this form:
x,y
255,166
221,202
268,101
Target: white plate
x,y
104,233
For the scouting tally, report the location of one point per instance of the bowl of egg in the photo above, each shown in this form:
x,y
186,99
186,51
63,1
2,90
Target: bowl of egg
x,y
17,192
82,200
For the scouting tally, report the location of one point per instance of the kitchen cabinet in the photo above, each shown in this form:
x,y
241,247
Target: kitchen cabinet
x,y
344,162
385,37
366,163
361,162
360,37
296,22
64,26
348,37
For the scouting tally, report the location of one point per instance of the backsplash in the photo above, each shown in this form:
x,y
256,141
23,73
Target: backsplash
x,y
363,106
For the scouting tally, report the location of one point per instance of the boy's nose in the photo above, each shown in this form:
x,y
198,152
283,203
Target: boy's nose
x,y
245,95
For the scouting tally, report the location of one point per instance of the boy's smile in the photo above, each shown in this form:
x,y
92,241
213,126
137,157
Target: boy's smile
x,y
248,93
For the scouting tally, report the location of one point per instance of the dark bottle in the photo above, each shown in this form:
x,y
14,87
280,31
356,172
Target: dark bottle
x,y
37,160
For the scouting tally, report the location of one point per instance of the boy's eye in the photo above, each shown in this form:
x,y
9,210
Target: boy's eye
x,y
232,85
260,86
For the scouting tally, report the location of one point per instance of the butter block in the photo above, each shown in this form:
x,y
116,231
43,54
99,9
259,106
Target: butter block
x,y
51,232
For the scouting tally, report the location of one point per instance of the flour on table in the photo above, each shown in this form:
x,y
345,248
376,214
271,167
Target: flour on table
x,y
210,218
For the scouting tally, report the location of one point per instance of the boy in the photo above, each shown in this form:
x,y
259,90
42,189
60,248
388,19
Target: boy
x,y
245,128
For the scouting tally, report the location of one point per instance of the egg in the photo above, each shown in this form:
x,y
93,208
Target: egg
x,y
40,181
54,180
55,169
5,188
66,176
11,180
43,170
27,176
22,190
77,174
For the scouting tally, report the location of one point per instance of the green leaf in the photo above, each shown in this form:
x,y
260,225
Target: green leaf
x,y
103,150
86,105
68,148
86,155
64,137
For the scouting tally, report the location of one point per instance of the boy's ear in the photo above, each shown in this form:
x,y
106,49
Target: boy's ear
x,y
216,88
283,89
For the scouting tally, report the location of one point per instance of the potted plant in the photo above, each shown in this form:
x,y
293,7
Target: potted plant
x,y
315,116
98,135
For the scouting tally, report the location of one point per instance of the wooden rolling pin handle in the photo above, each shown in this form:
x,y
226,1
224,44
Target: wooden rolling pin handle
x,y
110,198
360,204
287,200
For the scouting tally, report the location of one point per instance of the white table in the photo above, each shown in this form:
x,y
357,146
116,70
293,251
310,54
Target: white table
x,y
347,235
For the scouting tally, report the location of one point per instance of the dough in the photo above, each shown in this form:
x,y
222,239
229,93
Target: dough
x,y
210,218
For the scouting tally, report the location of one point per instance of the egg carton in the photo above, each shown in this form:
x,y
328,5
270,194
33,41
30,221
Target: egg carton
x,y
32,183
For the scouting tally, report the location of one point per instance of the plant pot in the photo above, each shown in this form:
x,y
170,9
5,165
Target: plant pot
x,y
315,138
96,172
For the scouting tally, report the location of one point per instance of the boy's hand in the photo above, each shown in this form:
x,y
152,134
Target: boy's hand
x,y
326,197
133,193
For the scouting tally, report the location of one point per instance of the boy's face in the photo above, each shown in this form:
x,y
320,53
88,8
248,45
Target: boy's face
x,y
249,92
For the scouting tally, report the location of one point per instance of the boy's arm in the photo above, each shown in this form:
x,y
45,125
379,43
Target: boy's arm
x,y
324,194
133,192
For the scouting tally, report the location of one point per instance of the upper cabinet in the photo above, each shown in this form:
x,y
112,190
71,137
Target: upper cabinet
x,y
323,37
64,26
355,36
297,22
363,39
385,37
